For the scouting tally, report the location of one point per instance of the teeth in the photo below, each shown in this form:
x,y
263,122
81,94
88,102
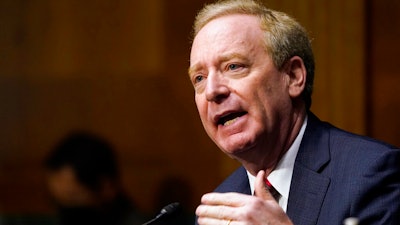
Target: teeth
x,y
229,122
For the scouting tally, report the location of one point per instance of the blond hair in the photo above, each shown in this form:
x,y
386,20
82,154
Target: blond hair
x,y
284,36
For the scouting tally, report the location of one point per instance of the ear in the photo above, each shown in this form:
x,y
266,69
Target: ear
x,y
297,75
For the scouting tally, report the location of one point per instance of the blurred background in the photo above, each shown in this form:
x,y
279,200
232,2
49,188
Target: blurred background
x,y
118,68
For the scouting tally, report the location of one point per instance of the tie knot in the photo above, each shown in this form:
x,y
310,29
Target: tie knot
x,y
272,190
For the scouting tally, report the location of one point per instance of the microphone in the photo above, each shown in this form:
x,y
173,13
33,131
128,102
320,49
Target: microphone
x,y
167,210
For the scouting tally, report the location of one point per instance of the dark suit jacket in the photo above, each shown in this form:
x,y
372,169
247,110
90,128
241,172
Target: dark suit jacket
x,y
338,175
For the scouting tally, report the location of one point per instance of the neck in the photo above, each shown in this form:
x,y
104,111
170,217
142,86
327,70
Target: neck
x,y
267,158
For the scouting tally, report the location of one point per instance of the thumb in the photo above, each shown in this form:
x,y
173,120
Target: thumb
x,y
260,189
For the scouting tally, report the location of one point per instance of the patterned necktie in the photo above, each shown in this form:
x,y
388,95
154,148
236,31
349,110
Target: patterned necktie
x,y
272,190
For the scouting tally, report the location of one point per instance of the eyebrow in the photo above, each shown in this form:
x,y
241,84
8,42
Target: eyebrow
x,y
230,56
194,68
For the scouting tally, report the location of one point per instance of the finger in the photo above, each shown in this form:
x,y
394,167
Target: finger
x,y
221,205
260,189
227,199
212,221
215,211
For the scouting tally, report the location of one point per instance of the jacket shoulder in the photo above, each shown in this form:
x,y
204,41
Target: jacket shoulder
x,y
236,182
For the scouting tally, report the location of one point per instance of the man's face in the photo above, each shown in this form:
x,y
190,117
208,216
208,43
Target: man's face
x,y
242,98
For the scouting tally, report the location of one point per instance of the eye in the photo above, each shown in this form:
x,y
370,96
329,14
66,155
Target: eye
x,y
198,79
233,66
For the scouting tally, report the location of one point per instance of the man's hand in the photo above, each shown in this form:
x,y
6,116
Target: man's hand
x,y
241,209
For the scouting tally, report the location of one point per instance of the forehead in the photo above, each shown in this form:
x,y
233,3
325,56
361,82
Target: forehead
x,y
226,22
224,32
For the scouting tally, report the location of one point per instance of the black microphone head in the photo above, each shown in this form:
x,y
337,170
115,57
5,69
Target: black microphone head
x,y
170,208
165,212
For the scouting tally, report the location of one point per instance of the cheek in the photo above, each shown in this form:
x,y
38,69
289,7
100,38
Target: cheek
x,y
202,108
201,105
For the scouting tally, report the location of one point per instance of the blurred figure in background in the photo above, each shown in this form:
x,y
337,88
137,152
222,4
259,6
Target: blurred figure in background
x,y
83,181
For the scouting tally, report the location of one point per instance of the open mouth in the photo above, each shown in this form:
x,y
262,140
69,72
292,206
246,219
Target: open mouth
x,y
230,118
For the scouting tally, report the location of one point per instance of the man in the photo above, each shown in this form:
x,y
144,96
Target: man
x,y
83,181
252,70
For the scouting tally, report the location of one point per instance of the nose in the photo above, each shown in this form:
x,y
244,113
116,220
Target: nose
x,y
216,88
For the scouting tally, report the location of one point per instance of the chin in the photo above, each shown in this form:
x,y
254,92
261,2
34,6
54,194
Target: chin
x,y
234,149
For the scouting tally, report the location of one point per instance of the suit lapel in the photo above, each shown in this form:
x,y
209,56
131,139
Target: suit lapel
x,y
236,182
308,187
307,194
